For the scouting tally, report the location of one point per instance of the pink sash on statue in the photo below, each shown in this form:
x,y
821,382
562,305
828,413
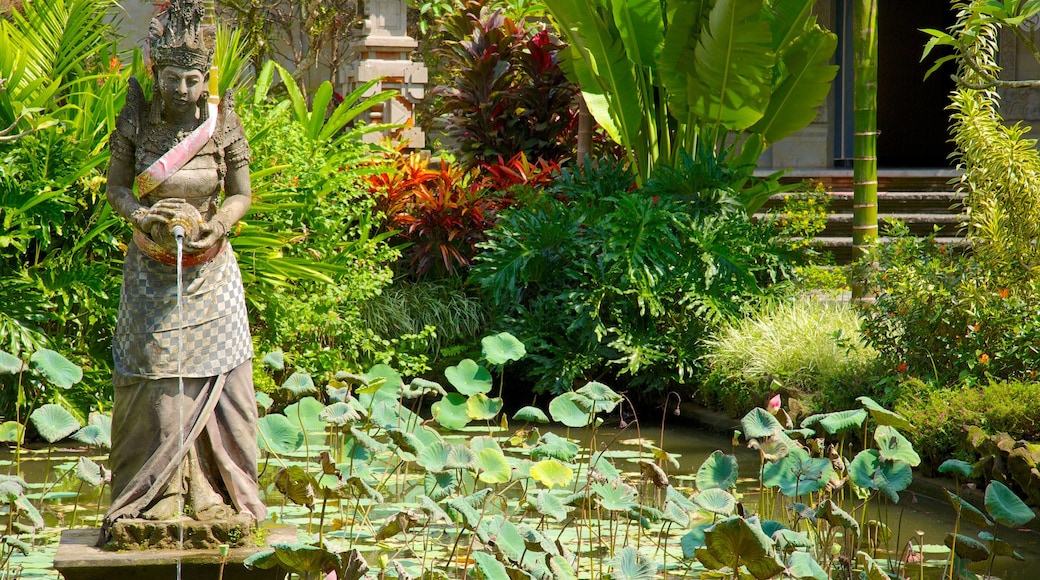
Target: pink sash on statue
x,y
175,158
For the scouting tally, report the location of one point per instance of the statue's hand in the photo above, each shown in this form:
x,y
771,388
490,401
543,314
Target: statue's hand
x,y
161,214
210,233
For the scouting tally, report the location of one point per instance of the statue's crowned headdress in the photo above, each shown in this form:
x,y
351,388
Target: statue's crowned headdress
x,y
179,38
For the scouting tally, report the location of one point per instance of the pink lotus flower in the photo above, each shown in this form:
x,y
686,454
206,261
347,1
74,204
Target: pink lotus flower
x,y
774,404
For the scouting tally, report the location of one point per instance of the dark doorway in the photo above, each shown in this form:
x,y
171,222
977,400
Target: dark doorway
x,y
912,115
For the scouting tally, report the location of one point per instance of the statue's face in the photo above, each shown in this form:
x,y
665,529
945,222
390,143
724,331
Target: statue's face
x,y
181,88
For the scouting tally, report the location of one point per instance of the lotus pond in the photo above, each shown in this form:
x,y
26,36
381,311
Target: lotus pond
x,y
387,478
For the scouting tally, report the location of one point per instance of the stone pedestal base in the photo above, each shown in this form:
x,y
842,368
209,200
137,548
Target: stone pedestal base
x,y
78,558
186,534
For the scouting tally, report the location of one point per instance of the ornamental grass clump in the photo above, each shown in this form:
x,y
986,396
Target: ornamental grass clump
x,y
805,348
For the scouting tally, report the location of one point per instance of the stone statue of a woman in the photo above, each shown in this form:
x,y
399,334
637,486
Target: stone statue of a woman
x,y
181,370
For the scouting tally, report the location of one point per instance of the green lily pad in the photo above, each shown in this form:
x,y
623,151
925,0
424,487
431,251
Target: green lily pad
x,y
56,368
469,378
502,348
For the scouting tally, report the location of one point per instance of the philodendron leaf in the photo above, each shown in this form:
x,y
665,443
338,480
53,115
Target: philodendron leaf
x,y
54,422
450,412
88,471
502,348
956,467
967,511
570,409
759,423
480,407
1005,507
56,368
12,432
716,500
275,360
803,566
631,564
531,415
469,378
299,384
10,364
718,470
967,547
279,435
883,416
735,541
493,466
552,473
894,447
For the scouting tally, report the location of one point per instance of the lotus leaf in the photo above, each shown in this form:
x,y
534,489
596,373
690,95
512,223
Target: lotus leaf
x,y
275,360
836,422
480,407
804,567
631,564
12,432
502,348
694,539
999,546
789,540
600,397
967,547
718,470
798,473
297,485
382,383
531,415
469,378
871,569
619,498
893,446
716,500
759,424
552,473
450,412
55,368
398,523
339,414
550,505
307,414
440,485
299,384
835,516
1005,507
53,422
278,435
883,416
571,409
10,364
493,466
420,387
733,542
956,467
89,472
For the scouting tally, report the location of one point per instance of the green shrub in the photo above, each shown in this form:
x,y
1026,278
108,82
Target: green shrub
x,y
942,316
809,349
942,415
599,279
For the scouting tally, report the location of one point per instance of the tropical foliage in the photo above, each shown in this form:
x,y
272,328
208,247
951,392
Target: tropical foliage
x,y
645,273
661,77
